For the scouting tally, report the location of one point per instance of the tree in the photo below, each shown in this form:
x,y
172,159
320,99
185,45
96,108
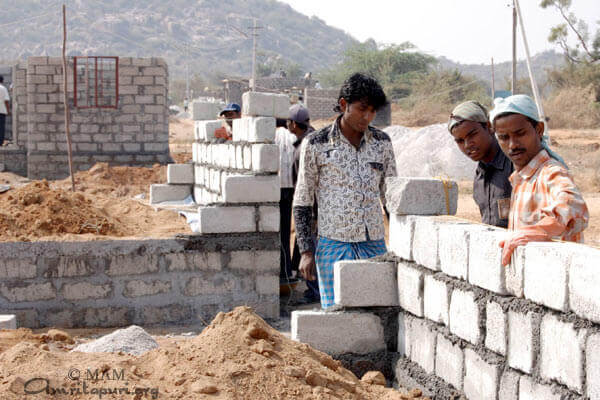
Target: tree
x,y
587,49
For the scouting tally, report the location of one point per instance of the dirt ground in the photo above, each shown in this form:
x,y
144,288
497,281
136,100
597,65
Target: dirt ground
x,y
237,356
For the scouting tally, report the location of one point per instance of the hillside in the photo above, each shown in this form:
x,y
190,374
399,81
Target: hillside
x,y
540,63
211,32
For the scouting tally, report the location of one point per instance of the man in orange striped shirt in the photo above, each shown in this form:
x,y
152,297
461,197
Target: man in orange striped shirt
x,y
545,203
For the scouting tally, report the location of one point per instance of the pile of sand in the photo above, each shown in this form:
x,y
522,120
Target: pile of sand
x,y
116,181
237,357
37,211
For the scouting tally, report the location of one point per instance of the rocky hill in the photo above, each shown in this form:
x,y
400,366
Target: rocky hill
x,y
213,35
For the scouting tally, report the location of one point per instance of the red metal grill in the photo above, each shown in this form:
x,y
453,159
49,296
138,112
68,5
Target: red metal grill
x,y
96,82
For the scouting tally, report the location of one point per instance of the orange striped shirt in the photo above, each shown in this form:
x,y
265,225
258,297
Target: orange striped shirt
x,y
544,188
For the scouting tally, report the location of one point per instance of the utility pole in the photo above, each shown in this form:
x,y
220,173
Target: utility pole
x,y
255,29
493,81
187,71
513,83
65,94
534,88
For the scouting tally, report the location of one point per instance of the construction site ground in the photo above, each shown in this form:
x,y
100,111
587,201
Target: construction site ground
x,y
193,362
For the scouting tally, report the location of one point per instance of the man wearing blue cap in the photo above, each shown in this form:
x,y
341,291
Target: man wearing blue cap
x,y
545,204
229,113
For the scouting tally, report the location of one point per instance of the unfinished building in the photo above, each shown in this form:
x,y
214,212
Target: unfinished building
x,y
118,114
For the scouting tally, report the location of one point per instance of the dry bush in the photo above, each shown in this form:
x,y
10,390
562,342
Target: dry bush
x,y
574,108
423,113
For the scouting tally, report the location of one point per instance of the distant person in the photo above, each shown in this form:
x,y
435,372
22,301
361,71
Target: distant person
x,y
228,114
298,124
470,126
186,103
318,85
546,204
4,109
343,167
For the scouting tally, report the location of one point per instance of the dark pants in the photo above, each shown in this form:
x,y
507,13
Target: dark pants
x,y
2,128
313,286
285,227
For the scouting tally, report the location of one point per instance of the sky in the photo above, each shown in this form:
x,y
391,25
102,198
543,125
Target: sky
x,y
468,31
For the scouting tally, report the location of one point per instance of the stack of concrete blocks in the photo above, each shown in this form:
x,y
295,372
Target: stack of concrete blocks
x,y
236,181
465,325
205,110
180,182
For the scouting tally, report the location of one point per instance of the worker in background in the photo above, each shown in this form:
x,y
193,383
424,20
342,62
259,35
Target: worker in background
x,y
470,126
228,114
546,204
298,124
4,109
343,166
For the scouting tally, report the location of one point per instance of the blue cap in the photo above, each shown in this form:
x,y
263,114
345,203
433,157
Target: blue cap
x,y
231,107
299,114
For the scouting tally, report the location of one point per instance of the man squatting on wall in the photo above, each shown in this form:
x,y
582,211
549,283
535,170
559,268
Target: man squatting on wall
x,y
344,165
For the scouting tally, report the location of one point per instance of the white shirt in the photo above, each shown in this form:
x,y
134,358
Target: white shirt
x,y
285,140
3,97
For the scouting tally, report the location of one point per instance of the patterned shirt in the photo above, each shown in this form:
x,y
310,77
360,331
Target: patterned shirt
x,y
348,183
544,188
285,140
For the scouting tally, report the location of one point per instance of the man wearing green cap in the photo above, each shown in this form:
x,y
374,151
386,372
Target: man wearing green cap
x,y
472,132
545,204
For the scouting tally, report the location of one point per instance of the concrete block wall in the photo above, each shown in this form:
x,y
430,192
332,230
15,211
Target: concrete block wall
x,y
466,326
184,280
236,182
135,133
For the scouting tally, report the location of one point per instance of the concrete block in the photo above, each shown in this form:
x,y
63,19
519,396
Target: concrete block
x,y
160,192
509,385
592,366
217,285
482,378
254,129
28,292
514,279
449,362
454,249
8,321
421,343
436,300
226,219
401,236
546,273
231,154
464,316
421,196
239,157
362,332
485,268
425,242
530,390
267,284
265,158
203,110
85,290
247,157
269,219
132,264
180,174
561,352
265,104
410,288
496,323
251,189
260,261
584,281
523,335
204,261
139,288
199,175
364,283
205,130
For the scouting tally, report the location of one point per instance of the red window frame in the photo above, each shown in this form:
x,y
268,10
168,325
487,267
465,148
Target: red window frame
x,y
97,89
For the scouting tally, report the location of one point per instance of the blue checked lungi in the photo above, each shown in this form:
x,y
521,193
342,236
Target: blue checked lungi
x,y
329,251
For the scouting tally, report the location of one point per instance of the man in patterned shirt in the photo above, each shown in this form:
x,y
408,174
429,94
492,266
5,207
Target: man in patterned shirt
x,y
344,167
545,203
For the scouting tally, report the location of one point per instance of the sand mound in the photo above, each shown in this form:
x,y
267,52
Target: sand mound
x,y
237,357
119,181
35,210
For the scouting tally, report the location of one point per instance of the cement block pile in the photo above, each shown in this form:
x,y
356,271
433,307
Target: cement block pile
x,y
451,319
236,182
